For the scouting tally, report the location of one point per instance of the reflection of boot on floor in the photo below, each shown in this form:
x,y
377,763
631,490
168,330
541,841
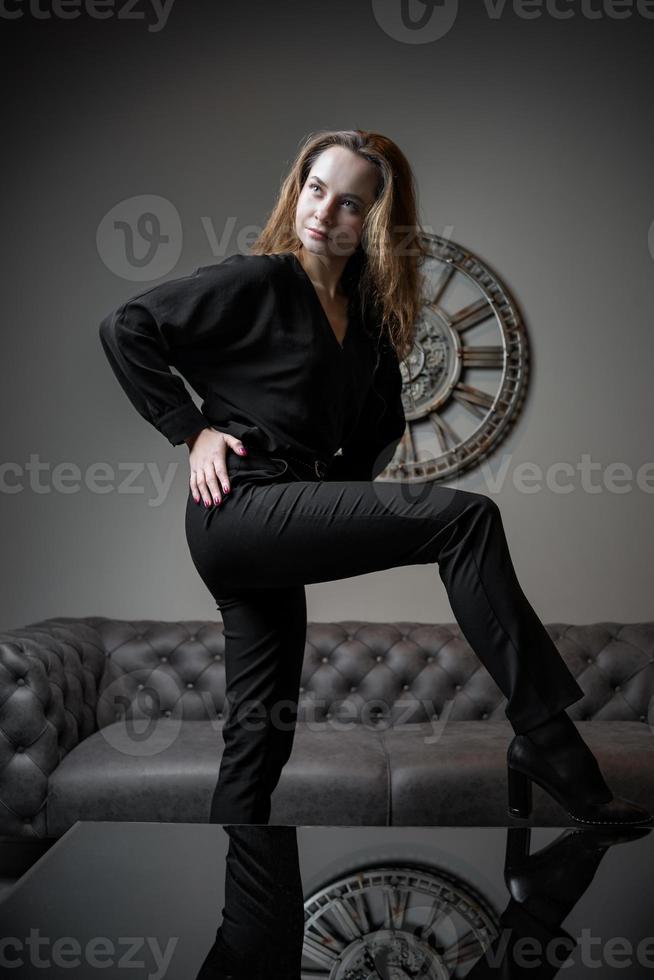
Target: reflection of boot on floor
x,y
544,888
262,931
554,755
550,882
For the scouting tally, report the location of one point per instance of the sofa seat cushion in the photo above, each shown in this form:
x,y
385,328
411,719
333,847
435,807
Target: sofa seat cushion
x,y
332,777
455,775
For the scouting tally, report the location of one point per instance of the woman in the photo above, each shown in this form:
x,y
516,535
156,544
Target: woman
x,y
295,351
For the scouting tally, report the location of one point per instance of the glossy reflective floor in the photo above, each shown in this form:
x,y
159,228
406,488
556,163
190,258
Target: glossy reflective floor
x,y
182,901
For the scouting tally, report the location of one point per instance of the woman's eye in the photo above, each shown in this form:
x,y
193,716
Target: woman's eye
x,y
353,207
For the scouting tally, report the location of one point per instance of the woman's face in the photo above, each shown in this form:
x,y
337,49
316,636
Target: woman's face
x,y
335,198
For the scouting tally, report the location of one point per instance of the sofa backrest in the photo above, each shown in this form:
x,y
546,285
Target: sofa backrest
x,y
102,669
358,671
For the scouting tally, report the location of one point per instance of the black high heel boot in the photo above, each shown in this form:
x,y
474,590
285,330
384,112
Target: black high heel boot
x,y
528,762
550,882
544,887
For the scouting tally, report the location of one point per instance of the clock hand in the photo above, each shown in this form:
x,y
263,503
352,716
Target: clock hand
x,y
384,972
380,959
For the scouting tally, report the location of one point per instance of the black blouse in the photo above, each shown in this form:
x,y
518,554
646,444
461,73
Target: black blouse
x,y
250,336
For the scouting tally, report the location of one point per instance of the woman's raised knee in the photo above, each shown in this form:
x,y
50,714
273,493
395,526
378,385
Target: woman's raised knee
x,y
478,505
487,505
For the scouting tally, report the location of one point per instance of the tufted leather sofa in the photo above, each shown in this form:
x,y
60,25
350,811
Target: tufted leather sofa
x,y
399,723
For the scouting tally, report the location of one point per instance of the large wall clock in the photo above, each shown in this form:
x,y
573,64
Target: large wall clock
x,y
466,377
395,921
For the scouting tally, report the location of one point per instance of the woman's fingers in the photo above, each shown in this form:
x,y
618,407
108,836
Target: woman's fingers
x,y
203,490
210,483
236,445
193,482
220,474
209,479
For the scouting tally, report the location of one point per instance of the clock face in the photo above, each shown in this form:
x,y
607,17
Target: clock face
x,y
395,923
466,377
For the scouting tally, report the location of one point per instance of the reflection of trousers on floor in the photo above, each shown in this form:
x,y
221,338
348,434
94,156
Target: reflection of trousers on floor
x,y
262,931
258,550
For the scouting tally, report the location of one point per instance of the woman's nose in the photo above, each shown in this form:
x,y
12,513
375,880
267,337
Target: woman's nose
x,y
323,214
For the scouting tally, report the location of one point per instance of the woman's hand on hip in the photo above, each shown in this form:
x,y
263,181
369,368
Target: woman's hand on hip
x,y
207,459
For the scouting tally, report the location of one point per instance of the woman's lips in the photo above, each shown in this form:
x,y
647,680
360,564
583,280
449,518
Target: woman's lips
x,y
317,234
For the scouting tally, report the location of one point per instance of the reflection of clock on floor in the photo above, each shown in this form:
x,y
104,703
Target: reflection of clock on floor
x,y
466,377
395,922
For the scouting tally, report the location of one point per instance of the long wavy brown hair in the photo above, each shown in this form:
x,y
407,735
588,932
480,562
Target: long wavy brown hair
x,y
391,249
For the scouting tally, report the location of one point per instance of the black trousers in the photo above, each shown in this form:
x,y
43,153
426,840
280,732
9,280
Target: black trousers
x,y
262,931
278,531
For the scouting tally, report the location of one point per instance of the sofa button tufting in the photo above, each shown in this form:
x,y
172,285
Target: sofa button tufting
x,y
220,714
328,714
642,717
589,660
485,714
192,638
21,680
378,657
141,686
617,687
20,748
325,659
190,684
167,714
217,657
163,658
430,660
405,687
353,688
301,690
458,687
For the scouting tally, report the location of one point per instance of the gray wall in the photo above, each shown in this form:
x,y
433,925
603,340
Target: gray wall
x,y
531,140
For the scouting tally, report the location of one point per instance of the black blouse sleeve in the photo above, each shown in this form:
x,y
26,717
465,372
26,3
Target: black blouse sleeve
x,y
184,322
371,444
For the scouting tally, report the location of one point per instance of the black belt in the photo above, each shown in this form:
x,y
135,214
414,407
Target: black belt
x,y
317,466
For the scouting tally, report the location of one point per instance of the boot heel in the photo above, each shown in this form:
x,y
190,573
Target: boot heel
x,y
518,845
520,799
